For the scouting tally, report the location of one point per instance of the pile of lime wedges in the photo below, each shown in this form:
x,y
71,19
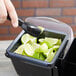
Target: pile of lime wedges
x,y
45,49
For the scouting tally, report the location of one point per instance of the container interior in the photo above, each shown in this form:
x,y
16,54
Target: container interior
x,y
47,33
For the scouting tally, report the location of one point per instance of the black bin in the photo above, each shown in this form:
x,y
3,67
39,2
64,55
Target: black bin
x,y
69,63
27,66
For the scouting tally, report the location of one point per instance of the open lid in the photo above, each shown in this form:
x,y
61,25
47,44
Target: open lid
x,y
53,24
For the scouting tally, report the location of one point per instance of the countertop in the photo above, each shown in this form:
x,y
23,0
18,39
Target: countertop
x,y
6,66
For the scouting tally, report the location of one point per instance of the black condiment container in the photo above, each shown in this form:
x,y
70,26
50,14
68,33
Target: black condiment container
x,y
27,66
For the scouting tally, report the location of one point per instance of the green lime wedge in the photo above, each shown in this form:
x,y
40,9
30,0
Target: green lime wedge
x,y
29,50
20,49
56,47
23,53
35,45
59,42
36,55
41,56
43,48
50,55
49,41
26,38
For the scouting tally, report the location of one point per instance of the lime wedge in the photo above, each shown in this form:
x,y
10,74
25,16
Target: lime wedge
x,y
43,48
59,42
20,49
29,50
26,37
41,56
50,55
56,47
35,45
36,55
23,53
49,41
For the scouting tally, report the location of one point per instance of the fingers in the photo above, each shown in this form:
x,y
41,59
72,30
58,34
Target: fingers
x,y
12,13
3,12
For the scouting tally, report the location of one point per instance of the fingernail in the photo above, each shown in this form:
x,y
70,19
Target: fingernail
x,y
15,24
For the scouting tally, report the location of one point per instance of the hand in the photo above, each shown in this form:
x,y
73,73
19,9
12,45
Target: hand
x,y
6,5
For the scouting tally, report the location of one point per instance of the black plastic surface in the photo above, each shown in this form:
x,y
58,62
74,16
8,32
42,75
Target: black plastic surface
x,y
69,63
25,69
